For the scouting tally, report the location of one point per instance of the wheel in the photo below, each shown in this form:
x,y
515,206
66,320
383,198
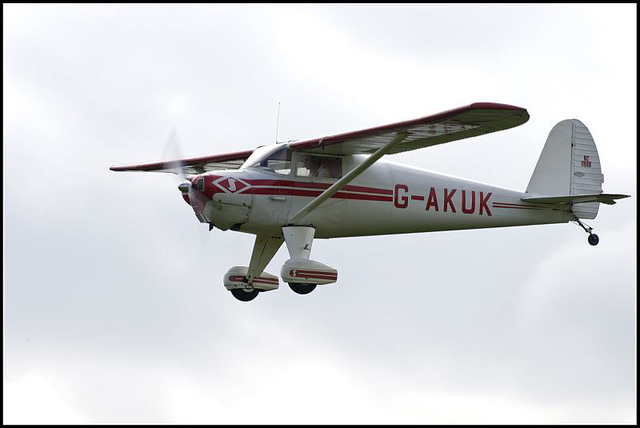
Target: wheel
x,y
302,288
593,239
244,295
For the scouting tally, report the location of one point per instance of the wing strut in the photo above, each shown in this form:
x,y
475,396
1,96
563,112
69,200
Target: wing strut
x,y
350,176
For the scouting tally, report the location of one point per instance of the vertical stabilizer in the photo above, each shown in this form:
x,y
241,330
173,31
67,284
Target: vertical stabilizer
x,y
569,165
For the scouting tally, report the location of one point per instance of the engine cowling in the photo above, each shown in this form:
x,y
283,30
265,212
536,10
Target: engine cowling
x,y
229,205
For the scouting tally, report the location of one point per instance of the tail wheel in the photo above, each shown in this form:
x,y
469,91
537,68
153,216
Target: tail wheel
x,y
593,238
302,288
244,295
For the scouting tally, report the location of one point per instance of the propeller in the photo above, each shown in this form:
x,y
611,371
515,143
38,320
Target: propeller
x,y
187,186
172,151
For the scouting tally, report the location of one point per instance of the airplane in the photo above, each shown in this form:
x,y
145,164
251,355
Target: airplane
x,y
339,186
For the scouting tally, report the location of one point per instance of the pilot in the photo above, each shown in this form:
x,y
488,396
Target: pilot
x,y
333,167
312,165
323,169
319,166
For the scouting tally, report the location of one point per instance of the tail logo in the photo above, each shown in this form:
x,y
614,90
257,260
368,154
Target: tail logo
x,y
586,162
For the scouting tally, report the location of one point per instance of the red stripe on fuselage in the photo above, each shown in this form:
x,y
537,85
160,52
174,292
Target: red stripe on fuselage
x,y
314,193
516,206
322,186
298,188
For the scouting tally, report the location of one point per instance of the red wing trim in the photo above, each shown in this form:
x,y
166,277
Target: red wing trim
x,y
167,165
340,138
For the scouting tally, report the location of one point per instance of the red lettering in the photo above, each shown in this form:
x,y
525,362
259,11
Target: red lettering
x,y
432,201
464,202
483,203
400,201
448,201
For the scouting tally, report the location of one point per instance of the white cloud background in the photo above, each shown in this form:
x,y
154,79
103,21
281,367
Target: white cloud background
x,y
114,305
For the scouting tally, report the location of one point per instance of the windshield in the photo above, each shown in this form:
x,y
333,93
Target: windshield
x,y
275,158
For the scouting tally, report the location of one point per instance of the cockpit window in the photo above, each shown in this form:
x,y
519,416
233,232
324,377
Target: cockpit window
x,y
319,166
278,161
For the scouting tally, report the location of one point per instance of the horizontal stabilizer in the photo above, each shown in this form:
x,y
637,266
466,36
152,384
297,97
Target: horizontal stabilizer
x,y
605,198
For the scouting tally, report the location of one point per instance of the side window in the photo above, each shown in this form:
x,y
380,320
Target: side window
x,y
319,166
279,162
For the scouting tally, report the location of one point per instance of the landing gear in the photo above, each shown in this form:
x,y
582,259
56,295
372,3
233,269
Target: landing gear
x,y
593,238
244,294
302,288
302,274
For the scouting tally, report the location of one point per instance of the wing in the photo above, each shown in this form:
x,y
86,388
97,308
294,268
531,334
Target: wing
x,y
192,165
464,122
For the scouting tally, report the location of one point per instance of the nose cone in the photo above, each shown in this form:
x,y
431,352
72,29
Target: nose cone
x,y
197,197
184,187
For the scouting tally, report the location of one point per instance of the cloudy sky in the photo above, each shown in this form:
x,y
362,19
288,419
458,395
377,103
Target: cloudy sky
x,y
114,305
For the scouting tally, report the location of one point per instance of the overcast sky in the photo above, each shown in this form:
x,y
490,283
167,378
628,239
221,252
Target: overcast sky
x,y
115,311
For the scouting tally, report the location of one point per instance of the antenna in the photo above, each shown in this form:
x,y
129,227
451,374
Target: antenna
x,y
277,122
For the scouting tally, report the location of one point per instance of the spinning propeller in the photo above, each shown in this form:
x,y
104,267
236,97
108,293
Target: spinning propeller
x,y
188,184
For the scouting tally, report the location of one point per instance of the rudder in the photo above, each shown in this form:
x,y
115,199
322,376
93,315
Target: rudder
x,y
569,165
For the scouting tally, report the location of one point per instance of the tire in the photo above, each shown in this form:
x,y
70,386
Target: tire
x,y
593,239
244,295
302,288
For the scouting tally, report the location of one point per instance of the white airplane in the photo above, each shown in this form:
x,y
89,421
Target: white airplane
x,y
337,186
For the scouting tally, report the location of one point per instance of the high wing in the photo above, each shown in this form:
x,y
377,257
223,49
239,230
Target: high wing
x,y
192,165
464,122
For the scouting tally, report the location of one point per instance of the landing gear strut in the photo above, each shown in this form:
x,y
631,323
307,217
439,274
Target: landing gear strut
x,y
593,238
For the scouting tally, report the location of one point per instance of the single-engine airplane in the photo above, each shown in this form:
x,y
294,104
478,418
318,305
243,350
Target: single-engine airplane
x,y
338,186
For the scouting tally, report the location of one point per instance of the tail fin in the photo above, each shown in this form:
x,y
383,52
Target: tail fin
x,y
569,165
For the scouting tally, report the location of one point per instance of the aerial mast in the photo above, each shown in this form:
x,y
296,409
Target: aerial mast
x,y
277,122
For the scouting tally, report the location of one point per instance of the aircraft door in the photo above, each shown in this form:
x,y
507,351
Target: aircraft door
x,y
272,179
313,174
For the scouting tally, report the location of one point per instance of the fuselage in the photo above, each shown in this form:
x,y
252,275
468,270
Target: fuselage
x,y
388,198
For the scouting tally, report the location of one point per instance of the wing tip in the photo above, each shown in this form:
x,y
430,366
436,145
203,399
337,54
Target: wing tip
x,y
124,168
496,106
